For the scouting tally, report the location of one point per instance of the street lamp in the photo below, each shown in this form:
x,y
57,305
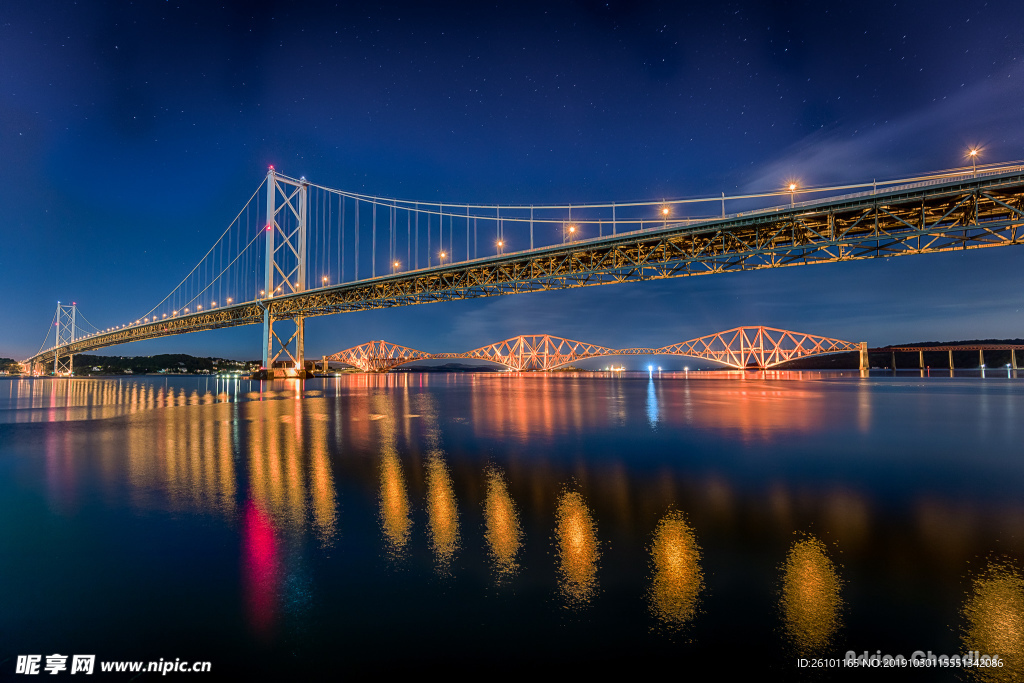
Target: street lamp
x,y
664,215
442,256
572,232
792,194
973,154
394,267
501,243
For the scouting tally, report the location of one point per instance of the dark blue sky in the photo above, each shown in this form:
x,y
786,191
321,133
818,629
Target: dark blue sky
x,y
131,134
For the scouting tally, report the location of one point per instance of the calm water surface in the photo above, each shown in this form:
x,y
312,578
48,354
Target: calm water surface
x,y
481,524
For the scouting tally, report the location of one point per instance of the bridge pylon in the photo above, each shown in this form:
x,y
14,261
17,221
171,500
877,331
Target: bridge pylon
x,y
66,320
287,210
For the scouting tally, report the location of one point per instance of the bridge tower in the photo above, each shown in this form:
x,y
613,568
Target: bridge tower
x,y
287,208
67,317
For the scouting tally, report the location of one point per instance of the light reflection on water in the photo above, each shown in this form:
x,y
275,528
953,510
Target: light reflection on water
x,y
678,578
509,475
502,528
394,497
994,621
442,512
811,602
576,548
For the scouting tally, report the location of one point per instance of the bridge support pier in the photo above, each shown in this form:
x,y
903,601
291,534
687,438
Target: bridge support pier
x,y
920,359
894,361
981,358
865,364
275,347
1013,359
951,359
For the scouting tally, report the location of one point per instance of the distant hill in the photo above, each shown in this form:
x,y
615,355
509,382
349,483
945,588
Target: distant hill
x,y
167,363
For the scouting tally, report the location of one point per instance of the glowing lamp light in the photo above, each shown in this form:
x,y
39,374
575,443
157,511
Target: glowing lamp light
x,y
664,212
792,186
229,300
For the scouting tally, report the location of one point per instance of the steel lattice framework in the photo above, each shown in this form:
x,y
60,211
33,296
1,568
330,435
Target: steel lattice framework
x,y
534,352
741,347
65,335
378,356
917,218
761,347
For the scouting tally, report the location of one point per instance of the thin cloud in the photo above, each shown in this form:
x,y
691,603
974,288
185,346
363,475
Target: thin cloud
x,y
987,113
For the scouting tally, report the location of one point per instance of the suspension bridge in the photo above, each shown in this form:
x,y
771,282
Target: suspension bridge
x,y
297,250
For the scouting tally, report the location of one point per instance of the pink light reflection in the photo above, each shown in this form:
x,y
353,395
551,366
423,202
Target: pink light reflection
x,y
259,569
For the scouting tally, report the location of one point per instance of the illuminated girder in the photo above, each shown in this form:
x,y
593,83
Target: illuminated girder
x,y
377,356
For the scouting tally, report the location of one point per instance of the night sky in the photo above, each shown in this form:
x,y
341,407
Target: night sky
x,y
131,134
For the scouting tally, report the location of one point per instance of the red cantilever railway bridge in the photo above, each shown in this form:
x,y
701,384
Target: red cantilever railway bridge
x,y
741,347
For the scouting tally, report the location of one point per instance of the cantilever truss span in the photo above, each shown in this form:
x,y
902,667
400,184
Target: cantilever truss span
x,y
378,356
741,347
